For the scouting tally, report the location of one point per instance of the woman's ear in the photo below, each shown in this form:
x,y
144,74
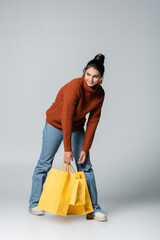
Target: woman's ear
x,y
100,81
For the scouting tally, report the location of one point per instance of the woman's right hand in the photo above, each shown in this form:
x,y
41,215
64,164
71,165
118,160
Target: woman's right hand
x,y
68,156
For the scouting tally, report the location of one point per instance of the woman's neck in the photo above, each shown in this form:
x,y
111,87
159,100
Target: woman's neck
x,y
94,87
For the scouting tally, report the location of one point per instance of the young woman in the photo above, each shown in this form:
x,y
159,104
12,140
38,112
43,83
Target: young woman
x,y
65,121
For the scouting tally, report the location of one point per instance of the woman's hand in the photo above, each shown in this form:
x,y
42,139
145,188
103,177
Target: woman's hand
x,y
68,156
83,156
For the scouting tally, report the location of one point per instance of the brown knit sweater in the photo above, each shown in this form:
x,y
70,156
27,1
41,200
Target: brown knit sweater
x,y
68,112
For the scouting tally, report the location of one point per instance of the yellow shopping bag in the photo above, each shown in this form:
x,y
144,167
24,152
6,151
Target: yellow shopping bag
x,y
65,192
80,203
78,194
57,190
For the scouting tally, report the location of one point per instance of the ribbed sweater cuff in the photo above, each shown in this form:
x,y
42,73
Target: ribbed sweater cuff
x,y
85,150
68,149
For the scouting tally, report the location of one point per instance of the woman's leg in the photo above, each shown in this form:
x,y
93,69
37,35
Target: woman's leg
x,y
77,142
52,138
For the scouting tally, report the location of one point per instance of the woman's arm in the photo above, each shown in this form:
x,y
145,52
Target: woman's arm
x,y
92,123
69,104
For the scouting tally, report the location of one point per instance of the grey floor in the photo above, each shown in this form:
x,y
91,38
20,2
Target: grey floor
x,y
128,220
135,218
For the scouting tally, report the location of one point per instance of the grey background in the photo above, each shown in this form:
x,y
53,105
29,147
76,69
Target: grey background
x,y
45,44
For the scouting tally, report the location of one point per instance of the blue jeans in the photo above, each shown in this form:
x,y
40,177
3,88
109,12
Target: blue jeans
x,y
52,138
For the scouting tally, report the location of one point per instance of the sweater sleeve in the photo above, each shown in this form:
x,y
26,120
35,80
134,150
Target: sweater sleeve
x,y
69,104
92,123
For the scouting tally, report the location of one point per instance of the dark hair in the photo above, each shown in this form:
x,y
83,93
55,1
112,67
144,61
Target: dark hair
x,y
97,63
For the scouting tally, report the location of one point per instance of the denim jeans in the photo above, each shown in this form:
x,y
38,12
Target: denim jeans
x,y
52,138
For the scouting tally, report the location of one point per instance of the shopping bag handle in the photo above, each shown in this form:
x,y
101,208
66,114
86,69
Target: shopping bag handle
x,y
72,168
69,168
61,167
64,167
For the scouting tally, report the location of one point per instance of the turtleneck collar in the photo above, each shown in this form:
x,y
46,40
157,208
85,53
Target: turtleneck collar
x,y
88,88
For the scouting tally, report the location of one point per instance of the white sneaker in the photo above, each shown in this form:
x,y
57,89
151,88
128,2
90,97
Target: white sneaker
x,y
36,211
98,216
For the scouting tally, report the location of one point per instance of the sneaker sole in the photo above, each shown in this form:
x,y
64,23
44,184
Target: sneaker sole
x,y
100,219
89,217
35,213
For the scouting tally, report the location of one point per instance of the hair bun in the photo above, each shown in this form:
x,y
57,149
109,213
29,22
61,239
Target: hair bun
x,y
100,57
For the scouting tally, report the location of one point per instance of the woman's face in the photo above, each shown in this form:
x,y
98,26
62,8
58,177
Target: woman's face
x,y
92,76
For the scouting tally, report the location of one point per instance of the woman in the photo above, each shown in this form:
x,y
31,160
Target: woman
x,y
65,121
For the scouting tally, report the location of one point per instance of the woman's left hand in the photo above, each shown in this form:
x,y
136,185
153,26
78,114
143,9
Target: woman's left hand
x,y
82,157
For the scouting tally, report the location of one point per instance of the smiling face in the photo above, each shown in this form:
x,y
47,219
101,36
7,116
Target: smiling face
x,y
92,76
